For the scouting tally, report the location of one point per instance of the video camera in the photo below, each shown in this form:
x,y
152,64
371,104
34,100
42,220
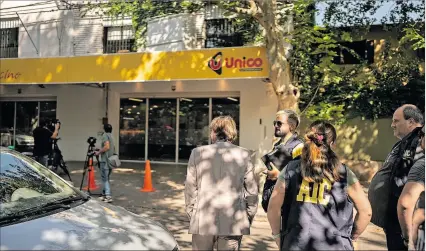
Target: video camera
x,y
92,142
51,124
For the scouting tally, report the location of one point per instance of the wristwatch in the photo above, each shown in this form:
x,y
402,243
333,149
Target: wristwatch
x,y
405,240
276,235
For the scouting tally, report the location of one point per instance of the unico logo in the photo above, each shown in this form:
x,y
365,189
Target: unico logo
x,y
243,64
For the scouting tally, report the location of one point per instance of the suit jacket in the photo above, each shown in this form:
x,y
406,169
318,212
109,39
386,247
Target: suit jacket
x,y
221,193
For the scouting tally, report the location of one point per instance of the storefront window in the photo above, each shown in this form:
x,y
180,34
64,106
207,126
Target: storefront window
x,y
194,114
132,128
48,110
193,125
227,106
26,122
7,114
162,130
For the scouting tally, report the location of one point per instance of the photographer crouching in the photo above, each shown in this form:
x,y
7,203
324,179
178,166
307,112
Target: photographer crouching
x,y
107,150
43,141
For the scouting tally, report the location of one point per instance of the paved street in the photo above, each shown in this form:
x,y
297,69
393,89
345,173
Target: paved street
x,y
166,205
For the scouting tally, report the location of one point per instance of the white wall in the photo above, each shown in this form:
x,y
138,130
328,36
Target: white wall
x,y
54,32
176,32
87,33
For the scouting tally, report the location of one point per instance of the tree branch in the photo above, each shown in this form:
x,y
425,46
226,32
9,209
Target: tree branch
x,y
312,99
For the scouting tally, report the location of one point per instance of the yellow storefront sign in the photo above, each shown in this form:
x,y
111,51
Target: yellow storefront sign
x,y
224,63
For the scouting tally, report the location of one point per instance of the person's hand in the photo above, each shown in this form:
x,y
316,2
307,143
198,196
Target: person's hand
x,y
273,174
97,153
57,126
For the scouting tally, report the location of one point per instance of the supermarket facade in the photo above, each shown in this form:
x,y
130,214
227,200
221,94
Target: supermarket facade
x,y
159,103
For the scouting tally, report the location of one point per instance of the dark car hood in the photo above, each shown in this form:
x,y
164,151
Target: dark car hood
x,y
91,226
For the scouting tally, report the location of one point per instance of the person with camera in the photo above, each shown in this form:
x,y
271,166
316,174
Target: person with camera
x,y
288,147
43,137
107,150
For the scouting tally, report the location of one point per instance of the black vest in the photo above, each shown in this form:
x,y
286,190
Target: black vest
x,y
280,160
317,216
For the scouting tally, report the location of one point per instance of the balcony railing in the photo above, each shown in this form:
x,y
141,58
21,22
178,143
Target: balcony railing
x,y
9,43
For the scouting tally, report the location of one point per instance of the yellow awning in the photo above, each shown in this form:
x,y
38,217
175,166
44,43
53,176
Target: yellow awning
x,y
223,63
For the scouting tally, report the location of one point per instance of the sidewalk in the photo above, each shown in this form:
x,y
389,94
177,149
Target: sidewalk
x,y
167,204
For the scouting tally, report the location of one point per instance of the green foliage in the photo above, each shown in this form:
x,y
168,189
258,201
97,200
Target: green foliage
x,y
336,92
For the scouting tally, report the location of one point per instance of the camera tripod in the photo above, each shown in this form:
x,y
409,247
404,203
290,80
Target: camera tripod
x,y
56,159
88,167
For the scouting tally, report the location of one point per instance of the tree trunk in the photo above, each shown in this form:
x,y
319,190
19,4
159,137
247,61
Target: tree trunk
x,y
278,54
280,73
267,14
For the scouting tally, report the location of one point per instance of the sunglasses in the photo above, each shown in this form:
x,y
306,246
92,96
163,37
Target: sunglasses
x,y
278,123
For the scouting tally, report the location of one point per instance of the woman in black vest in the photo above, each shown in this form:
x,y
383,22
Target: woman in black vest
x,y
318,194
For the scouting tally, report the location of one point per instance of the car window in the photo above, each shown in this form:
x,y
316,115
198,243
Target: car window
x,y
25,184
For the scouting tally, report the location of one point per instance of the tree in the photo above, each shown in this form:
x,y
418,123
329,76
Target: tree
x,y
302,54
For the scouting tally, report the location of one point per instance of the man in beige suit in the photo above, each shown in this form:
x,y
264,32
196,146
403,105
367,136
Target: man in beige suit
x,y
221,193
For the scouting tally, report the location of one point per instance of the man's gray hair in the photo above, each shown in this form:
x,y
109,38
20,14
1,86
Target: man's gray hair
x,y
412,112
292,117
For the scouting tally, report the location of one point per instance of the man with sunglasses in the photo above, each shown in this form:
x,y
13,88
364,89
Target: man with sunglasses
x,y
287,147
412,220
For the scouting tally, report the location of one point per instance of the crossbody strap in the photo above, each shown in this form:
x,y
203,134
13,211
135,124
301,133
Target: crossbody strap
x,y
110,141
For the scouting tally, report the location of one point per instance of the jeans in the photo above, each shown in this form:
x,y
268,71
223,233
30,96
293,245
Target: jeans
x,y
44,160
105,174
394,240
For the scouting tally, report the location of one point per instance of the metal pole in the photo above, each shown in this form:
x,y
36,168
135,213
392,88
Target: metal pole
x,y
35,47
146,128
177,130
106,99
210,117
14,123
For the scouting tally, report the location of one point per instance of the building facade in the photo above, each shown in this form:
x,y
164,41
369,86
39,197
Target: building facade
x,y
159,101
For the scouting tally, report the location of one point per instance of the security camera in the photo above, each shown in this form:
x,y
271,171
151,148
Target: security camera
x,y
173,87
19,91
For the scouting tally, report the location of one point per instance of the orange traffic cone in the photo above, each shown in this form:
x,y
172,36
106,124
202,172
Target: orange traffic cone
x,y
147,184
91,178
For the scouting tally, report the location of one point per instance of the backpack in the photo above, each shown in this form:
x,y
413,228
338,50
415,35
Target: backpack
x,y
387,184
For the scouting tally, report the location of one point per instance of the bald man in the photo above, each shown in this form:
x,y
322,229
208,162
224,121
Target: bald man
x,y
387,185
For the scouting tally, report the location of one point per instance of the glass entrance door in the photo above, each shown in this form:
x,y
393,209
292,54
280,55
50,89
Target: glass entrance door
x,y
167,129
162,129
193,125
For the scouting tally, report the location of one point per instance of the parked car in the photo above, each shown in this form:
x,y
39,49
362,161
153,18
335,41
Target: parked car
x,y
40,210
24,143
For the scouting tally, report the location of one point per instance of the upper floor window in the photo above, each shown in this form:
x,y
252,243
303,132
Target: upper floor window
x,y
9,42
221,33
420,53
364,50
119,38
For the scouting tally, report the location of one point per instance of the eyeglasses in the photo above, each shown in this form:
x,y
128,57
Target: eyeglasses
x,y
278,123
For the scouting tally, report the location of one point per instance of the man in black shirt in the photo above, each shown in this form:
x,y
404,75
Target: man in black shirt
x,y
43,142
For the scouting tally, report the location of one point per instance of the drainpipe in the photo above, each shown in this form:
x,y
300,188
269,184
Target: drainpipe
x,y
106,92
